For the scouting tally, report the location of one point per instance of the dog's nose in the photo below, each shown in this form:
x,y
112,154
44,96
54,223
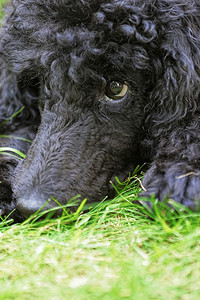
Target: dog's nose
x,y
28,205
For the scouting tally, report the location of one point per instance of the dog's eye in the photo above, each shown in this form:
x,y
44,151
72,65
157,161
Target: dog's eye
x,y
115,90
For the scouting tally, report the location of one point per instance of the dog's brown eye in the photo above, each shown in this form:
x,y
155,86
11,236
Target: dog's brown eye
x,y
115,90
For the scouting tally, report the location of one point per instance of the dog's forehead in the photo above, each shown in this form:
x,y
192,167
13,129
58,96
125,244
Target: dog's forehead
x,y
107,13
76,11
71,22
104,21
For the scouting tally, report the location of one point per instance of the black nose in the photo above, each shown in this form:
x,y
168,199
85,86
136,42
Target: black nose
x,y
30,204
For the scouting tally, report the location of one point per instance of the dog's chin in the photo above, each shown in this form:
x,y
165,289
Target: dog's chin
x,y
36,204
9,213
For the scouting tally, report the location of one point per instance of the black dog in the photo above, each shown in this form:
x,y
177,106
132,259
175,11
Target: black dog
x,y
106,85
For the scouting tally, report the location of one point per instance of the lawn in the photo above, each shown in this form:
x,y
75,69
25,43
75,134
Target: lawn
x,y
117,249
1,3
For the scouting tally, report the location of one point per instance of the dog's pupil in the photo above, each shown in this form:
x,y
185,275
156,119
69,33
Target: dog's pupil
x,y
116,87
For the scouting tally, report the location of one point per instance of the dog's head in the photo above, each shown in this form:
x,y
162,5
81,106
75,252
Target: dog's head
x,y
104,67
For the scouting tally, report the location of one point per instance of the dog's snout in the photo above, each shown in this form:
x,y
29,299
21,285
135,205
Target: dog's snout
x,y
30,204
25,209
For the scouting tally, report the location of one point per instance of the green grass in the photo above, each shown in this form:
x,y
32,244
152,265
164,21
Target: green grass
x,y
116,250
113,251
2,2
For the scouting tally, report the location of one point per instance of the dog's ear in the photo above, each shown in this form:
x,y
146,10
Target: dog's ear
x,y
19,86
17,95
176,67
9,93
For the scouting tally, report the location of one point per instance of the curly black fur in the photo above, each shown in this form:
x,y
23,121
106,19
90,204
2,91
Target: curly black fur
x,y
57,58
